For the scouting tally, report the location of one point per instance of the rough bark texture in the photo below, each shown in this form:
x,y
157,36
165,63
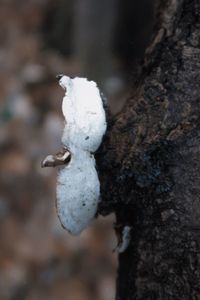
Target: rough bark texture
x,y
149,163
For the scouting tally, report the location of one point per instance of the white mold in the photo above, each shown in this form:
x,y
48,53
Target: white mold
x,y
78,187
126,235
84,114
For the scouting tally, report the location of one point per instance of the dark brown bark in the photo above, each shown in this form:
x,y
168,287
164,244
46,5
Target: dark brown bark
x,y
149,163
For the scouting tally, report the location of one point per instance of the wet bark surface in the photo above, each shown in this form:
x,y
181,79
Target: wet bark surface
x,y
149,164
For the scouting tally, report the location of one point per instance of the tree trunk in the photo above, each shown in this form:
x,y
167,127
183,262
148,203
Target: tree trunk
x,y
149,163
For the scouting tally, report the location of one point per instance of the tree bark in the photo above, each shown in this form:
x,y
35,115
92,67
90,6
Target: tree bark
x,y
149,163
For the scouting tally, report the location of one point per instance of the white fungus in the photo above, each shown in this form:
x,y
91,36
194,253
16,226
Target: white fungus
x,y
84,114
126,235
78,187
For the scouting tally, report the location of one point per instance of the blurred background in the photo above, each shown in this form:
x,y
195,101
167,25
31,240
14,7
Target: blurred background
x,y
101,40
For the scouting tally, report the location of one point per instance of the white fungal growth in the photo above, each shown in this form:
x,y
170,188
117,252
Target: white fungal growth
x,y
126,235
78,192
78,187
84,114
